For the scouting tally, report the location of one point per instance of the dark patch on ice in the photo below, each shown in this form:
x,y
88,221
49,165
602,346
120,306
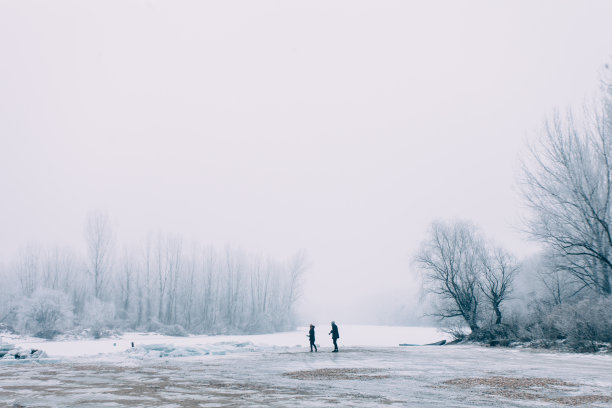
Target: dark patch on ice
x,y
550,390
339,374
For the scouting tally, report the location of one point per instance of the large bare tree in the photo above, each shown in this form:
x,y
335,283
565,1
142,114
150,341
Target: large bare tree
x,y
466,272
567,183
451,258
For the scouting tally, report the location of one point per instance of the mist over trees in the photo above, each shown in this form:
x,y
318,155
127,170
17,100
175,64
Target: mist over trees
x,y
563,295
163,285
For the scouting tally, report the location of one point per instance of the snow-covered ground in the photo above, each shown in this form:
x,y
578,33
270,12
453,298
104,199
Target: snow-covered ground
x,y
278,370
371,336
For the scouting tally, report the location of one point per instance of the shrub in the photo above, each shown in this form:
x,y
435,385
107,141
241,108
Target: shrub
x,y
586,323
582,326
176,330
99,316
45,314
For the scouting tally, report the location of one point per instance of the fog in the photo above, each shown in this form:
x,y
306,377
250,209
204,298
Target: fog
x,y
340,128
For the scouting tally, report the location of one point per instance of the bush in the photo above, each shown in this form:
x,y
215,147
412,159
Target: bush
x,y
459,332
176,330
585,324
582,326
45,314
99,316
495,334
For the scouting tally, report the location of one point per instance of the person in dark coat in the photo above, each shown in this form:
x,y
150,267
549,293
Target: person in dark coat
x,y
335,335
311,337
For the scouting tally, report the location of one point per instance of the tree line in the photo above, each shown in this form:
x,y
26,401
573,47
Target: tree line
x,y
566,183
163,285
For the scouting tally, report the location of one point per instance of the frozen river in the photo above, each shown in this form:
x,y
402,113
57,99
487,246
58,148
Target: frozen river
x,y
196,372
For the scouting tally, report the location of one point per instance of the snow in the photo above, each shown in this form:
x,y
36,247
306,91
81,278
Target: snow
x,y
278,370
350,335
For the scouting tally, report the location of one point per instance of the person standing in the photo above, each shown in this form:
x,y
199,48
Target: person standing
x,y
311,337
335,336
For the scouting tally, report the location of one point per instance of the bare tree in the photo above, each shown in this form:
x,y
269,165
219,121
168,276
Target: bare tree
x,y
498,272
568,186
99,238
126,282
203,290
168,259
556,286
146,279
188,289
59,268
298,264
260,277
28,269
559,285
234,274
210,291
451,258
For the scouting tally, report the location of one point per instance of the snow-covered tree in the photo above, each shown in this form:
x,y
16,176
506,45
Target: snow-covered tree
x,y
567,183
45,313
100,242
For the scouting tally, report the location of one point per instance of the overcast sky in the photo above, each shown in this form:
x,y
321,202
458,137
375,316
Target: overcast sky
x,y
339,127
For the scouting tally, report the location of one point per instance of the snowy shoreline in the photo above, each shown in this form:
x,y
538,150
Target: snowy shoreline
x,y
149,343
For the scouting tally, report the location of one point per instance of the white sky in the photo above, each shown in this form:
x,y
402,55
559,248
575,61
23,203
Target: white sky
x,y
340,127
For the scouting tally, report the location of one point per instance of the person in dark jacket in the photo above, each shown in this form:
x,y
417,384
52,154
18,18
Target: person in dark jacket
x,y
311,337
335,335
